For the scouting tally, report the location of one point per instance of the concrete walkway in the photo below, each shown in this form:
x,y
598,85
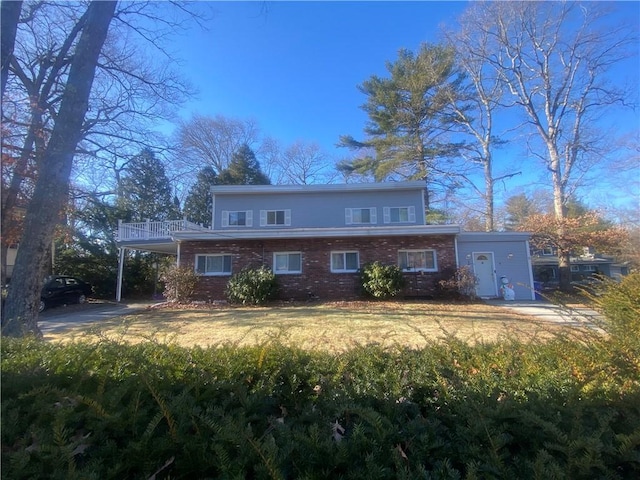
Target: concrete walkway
x,y
550,312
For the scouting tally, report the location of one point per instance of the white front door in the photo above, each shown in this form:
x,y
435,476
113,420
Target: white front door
x,y
485,274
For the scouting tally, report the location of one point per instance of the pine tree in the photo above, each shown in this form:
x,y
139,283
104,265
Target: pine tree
x,y
243,169
198,205
408,117
518,209
145,191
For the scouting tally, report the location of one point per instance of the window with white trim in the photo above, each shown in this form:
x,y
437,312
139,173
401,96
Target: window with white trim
x,y
270,218
399,214
590,268
241,218
547,251
418,260
345,262
575,268
218,264
287,262
360,216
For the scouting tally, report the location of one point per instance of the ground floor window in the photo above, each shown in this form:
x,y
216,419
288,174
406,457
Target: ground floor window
x,y
418,260
344,262
287,262
219,264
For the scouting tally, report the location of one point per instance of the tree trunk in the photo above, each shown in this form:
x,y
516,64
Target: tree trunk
x,y
564,267
489,200
51,190
10,15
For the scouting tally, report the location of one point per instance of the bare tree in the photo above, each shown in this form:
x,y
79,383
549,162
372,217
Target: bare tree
x,y
555,60
474,109
129,94
126,97
305,164
212,141
51,190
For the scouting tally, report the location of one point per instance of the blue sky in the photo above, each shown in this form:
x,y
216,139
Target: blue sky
x,y
294,67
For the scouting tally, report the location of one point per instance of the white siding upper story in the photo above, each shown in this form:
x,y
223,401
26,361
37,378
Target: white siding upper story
x,y
237,207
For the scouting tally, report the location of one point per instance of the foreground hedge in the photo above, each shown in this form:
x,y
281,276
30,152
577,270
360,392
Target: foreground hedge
x,y
568,408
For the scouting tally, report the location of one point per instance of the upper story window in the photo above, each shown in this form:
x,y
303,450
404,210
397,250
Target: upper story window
x,y
287,262
418,260
360,216
399,214
547,251
218,264
345,262
243,218
275,217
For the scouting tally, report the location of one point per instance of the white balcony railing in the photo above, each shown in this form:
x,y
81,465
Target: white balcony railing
x,y
153,230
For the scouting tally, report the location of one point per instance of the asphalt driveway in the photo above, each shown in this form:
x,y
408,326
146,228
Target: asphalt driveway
x,y
60,318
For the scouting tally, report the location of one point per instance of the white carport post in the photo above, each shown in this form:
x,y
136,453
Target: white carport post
x,y
120,270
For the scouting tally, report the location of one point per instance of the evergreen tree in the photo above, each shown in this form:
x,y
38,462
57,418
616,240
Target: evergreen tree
x,y
198,205
243,169
145,191
408,117
518,209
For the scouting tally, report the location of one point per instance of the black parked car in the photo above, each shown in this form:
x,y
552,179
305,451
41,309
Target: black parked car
x,y
61,289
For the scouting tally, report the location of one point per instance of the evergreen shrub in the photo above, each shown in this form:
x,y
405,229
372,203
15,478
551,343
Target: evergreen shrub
x,y
450,410
252,286
564,408
381,281
620,304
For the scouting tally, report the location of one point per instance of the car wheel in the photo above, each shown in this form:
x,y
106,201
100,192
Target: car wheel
x,y
42,306
82,298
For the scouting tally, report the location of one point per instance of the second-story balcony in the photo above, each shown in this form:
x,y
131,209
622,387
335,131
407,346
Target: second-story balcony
x,y
151,230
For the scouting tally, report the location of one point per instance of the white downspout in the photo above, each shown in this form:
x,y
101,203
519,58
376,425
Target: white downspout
x,y
455,246
533,291
213,210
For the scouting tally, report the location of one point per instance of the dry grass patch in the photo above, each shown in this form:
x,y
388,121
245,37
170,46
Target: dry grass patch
x,y
328,326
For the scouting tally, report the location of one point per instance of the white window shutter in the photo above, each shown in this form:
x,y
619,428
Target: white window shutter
x,y
263,218
249,218
348,216
287,217
225,218
386,212
412,214
373,215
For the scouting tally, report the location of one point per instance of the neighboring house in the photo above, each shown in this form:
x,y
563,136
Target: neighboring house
x,y
317,237
584,266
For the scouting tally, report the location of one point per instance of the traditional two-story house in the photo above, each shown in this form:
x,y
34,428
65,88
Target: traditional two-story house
x,y
317,237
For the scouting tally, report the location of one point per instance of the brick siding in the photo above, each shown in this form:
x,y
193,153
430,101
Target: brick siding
x,y
316,279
